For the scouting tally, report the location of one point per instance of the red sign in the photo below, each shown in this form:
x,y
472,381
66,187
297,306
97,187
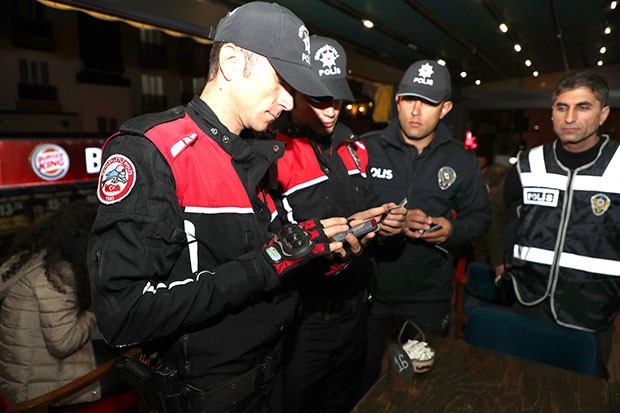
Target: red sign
x,y
470,141
32,162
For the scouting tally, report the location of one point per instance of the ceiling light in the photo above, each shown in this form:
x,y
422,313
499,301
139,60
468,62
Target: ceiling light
x,y
613,5
528,63
478,82
599,63
441,62
349,106
368,24
503,27
517,47
603,50
607,30
535,73
463,74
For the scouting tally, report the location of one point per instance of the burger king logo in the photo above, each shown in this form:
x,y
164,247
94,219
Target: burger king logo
x,y
49,161
116,179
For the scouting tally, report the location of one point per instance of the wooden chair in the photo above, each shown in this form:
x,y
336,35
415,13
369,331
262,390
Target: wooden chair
x,y
538,339
115,403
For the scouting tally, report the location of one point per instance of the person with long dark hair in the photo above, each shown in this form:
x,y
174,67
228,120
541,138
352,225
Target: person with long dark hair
x,y
46,313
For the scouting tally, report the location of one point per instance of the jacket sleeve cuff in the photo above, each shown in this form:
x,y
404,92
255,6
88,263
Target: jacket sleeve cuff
x,y
259,274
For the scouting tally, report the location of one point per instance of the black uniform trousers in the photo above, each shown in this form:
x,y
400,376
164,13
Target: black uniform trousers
x,y
323,368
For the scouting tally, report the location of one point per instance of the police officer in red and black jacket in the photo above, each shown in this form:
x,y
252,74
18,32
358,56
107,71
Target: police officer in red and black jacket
x,y
180,255
322,174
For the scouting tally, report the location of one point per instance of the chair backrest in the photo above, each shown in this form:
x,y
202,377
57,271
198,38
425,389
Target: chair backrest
x,y
481,281
531,338
475,286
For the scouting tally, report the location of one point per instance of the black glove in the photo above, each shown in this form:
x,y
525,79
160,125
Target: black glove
x,y
295,245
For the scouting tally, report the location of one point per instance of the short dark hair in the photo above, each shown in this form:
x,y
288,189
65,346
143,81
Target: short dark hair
x,y
590,79
63,235
214,60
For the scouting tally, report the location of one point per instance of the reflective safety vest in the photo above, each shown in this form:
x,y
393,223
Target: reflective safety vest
x,y
568,238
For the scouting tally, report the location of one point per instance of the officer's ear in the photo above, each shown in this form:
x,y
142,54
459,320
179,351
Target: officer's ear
x,y
604,114
446,107
231,61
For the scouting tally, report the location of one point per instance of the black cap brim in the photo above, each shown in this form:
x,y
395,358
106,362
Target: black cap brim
x,y
301,78
339,88
435,100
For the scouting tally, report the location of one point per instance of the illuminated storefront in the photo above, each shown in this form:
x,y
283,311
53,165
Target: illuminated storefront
x,y
38,175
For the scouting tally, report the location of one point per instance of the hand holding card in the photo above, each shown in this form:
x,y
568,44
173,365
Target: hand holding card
x,y
400,205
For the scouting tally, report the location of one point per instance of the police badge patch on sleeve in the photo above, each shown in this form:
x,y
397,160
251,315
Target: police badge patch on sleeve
x,y
116,179
446,177
599,203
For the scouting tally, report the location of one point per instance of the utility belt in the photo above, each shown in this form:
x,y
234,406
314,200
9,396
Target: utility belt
x,y
165,393
231,392
333,308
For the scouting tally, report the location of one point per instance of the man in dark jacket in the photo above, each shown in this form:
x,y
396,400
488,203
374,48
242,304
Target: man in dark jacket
x,y
415,157
180,255
322,174
566,254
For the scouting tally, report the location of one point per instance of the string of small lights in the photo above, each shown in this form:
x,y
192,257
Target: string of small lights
x,y
606,33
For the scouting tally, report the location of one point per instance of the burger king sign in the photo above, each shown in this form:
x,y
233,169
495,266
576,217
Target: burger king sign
x,y
49,161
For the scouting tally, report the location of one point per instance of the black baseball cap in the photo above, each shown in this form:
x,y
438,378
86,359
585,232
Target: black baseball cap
x,y
276,33
428,80
329,61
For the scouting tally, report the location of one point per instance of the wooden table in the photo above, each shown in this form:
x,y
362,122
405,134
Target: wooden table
x,y
465,378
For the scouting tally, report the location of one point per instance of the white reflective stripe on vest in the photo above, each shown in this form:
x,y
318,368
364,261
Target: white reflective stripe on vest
x,y
608,183
537,160
567,260
539,177
544,181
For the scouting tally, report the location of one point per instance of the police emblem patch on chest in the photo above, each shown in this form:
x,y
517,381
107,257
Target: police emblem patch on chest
x,y
446,177
116,179
600,204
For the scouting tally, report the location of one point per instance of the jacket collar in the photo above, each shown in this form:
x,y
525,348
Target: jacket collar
x,y
241,149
